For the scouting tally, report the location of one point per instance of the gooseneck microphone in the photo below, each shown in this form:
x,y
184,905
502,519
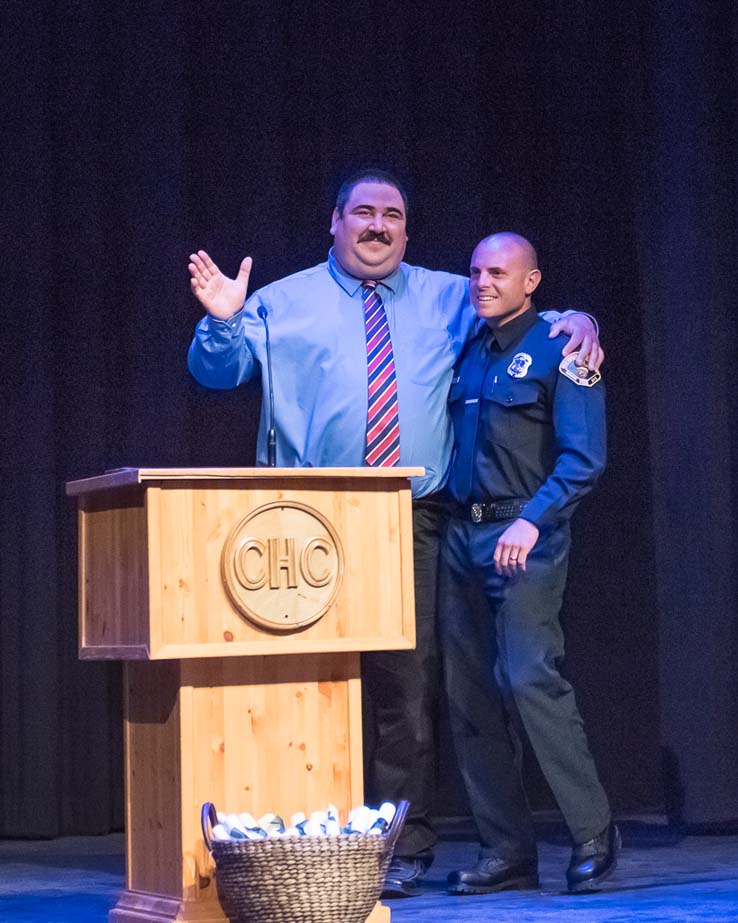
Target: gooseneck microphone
x,y
271,434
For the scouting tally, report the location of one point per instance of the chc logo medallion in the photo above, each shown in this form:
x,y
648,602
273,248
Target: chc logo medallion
x,y
282,565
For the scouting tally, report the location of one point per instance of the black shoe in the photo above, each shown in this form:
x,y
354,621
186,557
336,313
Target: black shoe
x,y
405,874
493,874
594,861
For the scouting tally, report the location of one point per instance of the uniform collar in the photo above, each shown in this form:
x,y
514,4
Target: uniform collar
x,y
350,284
506,335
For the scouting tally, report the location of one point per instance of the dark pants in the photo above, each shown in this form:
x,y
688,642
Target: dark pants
x,y
401,693
501,660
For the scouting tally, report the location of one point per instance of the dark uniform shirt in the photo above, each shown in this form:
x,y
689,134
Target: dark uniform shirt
x,y
523,430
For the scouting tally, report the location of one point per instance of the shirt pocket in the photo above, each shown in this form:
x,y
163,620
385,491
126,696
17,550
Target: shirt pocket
x,y
512,412
432,356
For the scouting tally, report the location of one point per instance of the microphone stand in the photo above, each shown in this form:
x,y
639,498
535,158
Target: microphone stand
x,y
271,434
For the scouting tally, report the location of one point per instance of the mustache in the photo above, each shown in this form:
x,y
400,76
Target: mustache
x,y
375,235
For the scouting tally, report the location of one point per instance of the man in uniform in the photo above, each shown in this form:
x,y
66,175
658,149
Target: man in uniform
x,y
363,349
529,443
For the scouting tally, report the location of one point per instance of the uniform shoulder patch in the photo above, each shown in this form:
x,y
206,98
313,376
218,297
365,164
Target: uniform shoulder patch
x,y
579,374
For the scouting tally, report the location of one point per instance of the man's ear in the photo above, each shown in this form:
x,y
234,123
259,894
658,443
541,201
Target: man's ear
x,y
531,283
334,220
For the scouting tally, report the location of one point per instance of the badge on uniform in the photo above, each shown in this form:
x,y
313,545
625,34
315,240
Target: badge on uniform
x,y
579,374
519,366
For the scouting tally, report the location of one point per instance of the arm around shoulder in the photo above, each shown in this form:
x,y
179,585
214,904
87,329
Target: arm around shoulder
x,y
584,333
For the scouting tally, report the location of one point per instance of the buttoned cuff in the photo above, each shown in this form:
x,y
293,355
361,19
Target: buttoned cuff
x,y
535,512
224,329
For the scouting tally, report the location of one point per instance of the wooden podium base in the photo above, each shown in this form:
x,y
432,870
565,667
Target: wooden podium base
x,y
257,734
135,907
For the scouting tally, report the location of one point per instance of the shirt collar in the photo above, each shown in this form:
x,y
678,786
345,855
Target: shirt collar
x,y
350,284
508,333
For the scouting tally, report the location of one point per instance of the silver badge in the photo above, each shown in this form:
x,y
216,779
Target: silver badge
x,y
519,366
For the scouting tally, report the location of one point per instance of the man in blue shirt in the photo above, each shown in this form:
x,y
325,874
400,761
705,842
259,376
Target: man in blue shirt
x,y
319,354
530,443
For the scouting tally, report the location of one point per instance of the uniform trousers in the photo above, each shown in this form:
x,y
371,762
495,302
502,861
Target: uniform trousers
x,y
401,690
502,648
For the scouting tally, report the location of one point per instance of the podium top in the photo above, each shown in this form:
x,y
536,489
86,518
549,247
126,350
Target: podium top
x,y
122,477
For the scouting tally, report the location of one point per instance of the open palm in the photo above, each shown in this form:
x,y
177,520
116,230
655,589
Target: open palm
x,y
218,294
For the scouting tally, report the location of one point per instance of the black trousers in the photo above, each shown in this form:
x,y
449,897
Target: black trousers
x,y
502,649
401,691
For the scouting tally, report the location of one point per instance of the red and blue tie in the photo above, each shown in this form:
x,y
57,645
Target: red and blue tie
x,y
382,420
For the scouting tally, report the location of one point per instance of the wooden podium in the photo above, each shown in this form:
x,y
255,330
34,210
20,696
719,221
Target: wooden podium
x,y
239,600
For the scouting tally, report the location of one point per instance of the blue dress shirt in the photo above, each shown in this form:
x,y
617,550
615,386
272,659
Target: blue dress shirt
x,y
316,326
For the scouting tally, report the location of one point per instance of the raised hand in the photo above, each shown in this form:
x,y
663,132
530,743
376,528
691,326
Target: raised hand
x,y
219,295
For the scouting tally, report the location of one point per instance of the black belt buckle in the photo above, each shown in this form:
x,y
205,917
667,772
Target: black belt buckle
x,y
494,511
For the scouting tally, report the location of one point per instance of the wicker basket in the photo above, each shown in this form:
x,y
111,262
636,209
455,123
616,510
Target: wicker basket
x,y
325,879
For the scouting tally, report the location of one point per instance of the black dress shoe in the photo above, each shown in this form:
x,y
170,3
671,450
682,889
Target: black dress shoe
x,y
405,874
594,861
492,874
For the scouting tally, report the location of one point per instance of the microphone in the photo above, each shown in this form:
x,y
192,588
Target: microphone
x,y
271,434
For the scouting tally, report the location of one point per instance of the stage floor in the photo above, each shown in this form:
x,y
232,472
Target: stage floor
x,y
660,878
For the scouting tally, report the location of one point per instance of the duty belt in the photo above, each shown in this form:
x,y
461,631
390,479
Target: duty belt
x,y
490,512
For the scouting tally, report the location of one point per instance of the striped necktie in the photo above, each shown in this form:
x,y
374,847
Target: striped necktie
x,y
382,420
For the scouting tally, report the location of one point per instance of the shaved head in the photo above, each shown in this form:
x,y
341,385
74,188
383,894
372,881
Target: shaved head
x,y
503,275
509,238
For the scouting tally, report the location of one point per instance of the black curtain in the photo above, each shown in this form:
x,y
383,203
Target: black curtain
x,y
134,133
687,233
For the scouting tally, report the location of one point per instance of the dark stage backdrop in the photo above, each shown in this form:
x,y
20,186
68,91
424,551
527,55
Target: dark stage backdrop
x,y
606,132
